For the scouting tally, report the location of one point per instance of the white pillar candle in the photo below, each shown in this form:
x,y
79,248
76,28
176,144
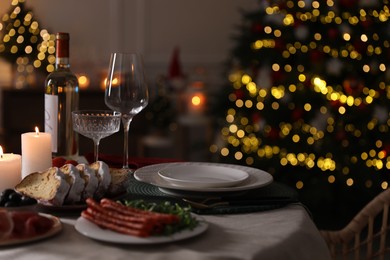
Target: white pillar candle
x,y
36,152
10,168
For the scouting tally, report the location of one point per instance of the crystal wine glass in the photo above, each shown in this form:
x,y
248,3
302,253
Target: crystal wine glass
x,y
96,124
126,91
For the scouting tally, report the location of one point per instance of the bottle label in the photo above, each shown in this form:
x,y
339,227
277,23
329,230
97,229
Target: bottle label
x,y
51,123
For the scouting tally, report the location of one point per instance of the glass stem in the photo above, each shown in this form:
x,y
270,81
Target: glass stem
x,y
126,120
96,149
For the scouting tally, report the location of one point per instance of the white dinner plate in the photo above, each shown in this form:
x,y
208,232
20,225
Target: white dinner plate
x,y
150,174
91,230
203,176
56,228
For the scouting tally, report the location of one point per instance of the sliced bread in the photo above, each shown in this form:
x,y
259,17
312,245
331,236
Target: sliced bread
x,y
102,172
76,182
120,179
48,187
90,179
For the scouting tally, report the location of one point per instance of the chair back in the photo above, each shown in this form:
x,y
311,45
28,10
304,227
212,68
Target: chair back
x,y
365,236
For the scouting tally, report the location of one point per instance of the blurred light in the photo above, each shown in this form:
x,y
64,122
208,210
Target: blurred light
x,y
83,81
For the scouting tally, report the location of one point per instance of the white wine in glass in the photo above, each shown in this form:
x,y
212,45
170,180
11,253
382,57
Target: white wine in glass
x,y
126,91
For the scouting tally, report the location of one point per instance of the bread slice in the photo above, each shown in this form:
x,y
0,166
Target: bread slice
x,y
103,175
90,179
73,177
48,187
120,179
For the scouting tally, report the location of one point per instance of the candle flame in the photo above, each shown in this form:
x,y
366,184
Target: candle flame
x,y
1,152
196,100
36,130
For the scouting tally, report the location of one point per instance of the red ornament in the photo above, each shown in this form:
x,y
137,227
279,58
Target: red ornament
x,y
273,134
333,33
281,4
360,46
353,86
257,28
316,56
277,76
367,23
307,83
279,44
362,106
348,3
239,94
335,103
256,118
297,114
386,148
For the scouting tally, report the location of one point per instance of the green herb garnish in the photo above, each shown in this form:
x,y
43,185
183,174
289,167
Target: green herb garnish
x,y
187,221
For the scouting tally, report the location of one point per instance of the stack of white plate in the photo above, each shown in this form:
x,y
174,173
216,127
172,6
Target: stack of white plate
x,y
202,177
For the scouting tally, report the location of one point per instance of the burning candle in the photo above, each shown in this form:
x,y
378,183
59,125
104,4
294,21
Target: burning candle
x,y
83,81
196,103
10,170
196,98
36,152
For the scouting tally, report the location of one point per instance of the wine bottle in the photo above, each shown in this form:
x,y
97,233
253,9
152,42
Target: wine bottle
x,y
61,98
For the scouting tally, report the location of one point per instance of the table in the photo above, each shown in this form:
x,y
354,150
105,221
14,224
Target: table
x,y
284,233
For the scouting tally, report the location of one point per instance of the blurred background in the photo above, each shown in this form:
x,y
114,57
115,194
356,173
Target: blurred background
x,y
182,44
297,88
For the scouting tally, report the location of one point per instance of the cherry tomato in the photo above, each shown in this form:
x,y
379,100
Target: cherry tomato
x,y
58,161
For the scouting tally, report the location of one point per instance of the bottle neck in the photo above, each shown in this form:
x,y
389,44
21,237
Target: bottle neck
x,y
62,51
62,63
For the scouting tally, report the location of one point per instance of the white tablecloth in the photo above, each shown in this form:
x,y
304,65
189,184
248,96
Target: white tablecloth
x,y
286,233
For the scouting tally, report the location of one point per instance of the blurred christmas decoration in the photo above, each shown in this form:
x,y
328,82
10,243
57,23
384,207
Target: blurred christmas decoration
x,y
309,94
175,69
24,43
161,112
167,98
176,77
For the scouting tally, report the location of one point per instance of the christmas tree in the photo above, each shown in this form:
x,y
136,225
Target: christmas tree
x,y
23,43
308,98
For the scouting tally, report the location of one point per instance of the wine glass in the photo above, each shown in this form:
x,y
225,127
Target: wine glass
x,y
96,124
126,91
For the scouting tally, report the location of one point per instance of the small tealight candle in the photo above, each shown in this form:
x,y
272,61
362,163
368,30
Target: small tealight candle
x,y
196,103
10,169
36,152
